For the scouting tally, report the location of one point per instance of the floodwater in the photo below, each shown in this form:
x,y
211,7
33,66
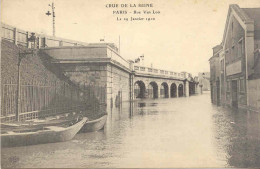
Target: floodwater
x,y
175,132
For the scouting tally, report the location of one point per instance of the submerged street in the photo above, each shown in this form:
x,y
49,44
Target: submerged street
x,y
174,132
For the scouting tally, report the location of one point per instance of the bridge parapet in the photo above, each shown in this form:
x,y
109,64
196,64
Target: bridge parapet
x,y
92,53
117,58
158,72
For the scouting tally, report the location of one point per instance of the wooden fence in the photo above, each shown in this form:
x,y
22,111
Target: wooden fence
x,y
38,99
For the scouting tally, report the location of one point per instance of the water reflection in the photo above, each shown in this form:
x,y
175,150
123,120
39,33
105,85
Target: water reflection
x,y
141,104
238,135
176,132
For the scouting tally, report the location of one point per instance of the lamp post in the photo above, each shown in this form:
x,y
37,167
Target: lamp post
x,y
20,57
140,58
53,17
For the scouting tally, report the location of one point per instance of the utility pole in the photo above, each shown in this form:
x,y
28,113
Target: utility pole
x,y
53,17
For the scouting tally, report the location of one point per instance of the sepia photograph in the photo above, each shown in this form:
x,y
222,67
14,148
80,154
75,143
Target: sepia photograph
x,y
130,84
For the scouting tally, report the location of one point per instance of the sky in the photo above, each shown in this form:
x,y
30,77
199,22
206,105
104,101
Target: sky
x,y
179,39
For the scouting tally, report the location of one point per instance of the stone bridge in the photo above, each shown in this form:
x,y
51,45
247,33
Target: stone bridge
x,y
154,83
101,65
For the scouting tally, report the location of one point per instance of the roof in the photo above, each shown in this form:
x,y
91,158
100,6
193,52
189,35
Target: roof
x,y
217,49
254,14
214,56
247,16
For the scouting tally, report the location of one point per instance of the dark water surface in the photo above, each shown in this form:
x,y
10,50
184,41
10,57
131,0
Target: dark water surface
x,y
176,132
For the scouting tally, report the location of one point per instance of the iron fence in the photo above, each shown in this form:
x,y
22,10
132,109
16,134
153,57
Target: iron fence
x,y
42,98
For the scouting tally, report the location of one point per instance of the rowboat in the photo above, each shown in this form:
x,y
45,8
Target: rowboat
x,y
94,125
40,123
41,135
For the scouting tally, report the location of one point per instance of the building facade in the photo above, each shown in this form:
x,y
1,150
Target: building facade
x,y
204,83
234,66
215,75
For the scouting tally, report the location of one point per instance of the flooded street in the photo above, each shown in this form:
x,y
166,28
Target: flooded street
x,y
175,132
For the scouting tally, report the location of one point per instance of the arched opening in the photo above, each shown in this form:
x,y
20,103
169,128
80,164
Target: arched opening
x,y
164,90
152,90
173,90
139,89
192,88
180,90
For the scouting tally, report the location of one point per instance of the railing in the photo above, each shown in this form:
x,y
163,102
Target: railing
x,y
39,99
20,37
152,71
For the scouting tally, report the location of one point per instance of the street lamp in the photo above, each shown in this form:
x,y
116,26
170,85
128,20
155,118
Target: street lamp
x,y
139,59
20,57
53,17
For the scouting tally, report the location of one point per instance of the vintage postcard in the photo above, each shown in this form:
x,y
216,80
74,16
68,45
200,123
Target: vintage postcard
x,y
130,83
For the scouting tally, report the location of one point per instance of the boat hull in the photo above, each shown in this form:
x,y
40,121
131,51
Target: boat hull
x,y
49,134
94,125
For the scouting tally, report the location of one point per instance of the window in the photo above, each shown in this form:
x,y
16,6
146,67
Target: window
x,y
150,70
166,72
222,64
161,71
228,86
242,85
136,68
240,49
232,52
227,55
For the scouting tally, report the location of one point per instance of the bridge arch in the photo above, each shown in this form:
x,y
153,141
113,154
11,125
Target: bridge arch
x,y
164,90
152,90
180,90
139,89
173,90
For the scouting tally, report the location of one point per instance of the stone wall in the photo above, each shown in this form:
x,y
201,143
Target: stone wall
x,y
44,89
118,85
114,80
88,76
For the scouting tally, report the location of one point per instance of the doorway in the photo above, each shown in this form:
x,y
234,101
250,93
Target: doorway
x,y
234,94
218,92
